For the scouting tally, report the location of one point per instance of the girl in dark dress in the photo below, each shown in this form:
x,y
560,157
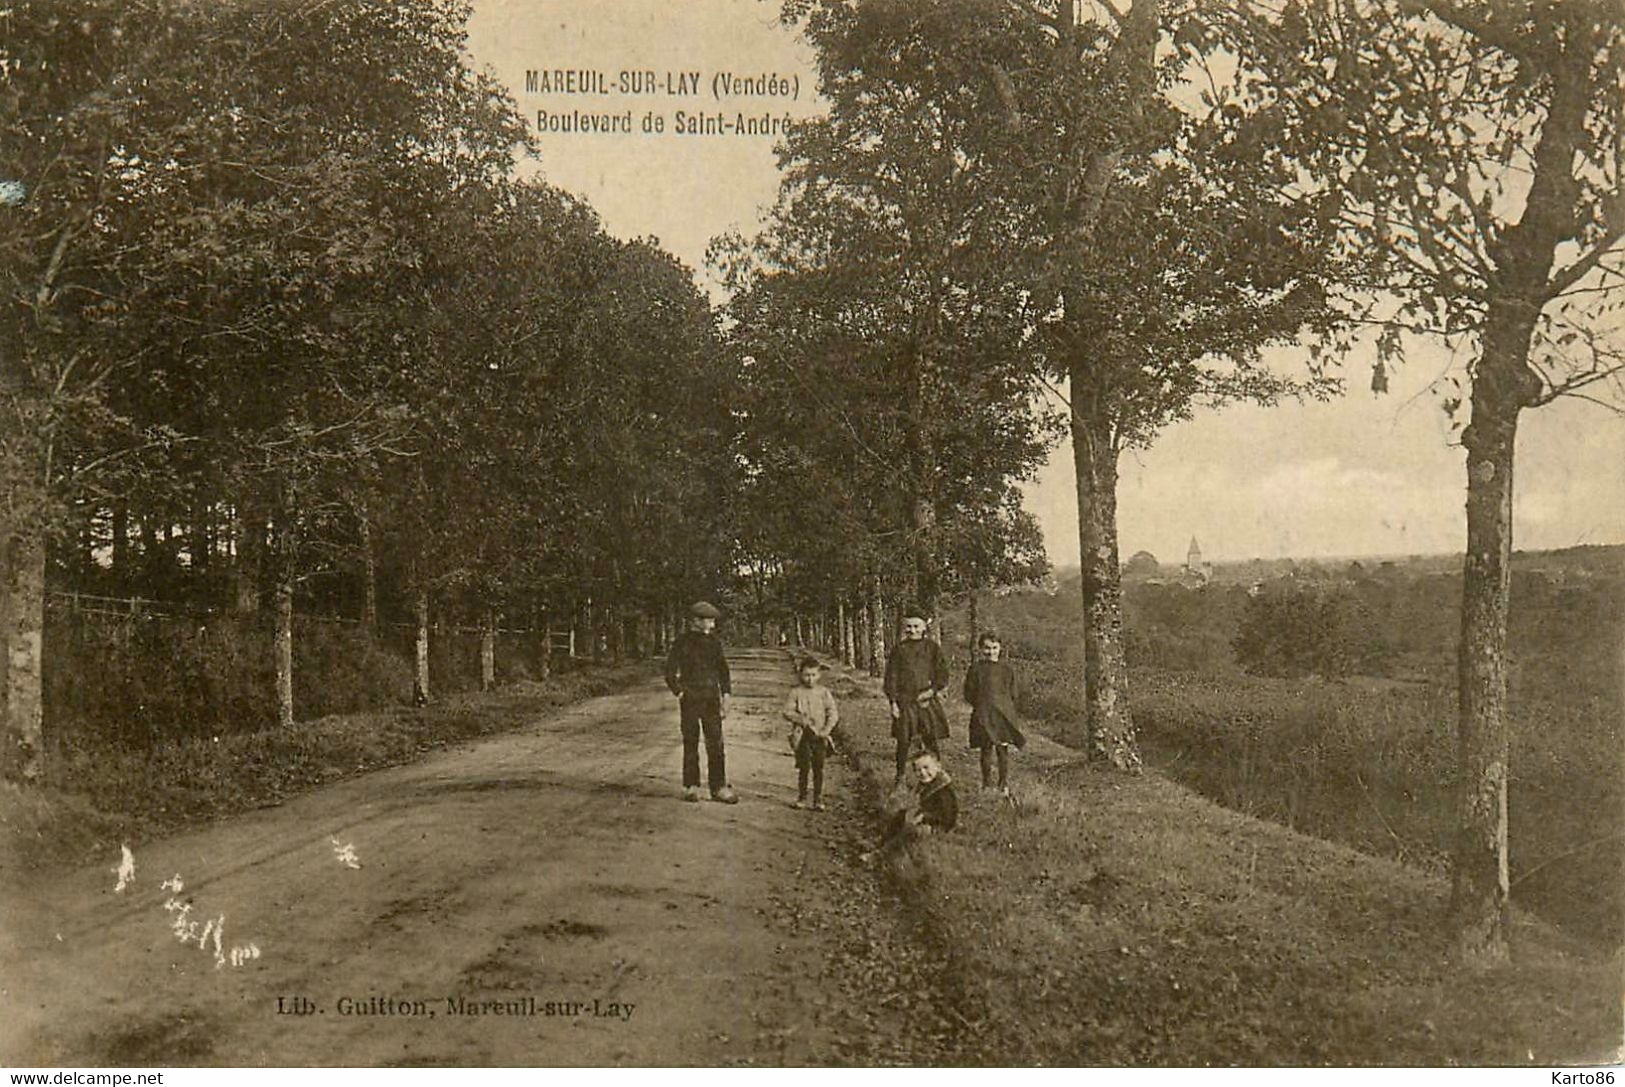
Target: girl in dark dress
x,y
990,688
916,680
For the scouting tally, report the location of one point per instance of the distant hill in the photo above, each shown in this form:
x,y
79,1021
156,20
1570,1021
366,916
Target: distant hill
x,y
1585,559
1589,558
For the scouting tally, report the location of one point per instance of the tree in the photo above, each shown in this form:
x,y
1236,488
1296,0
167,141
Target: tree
x,y
1150,242
1142,564
1479,157
653,392
67,112
843,436
880,265
199,192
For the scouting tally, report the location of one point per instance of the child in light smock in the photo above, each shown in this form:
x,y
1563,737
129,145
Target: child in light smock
x,y
813,715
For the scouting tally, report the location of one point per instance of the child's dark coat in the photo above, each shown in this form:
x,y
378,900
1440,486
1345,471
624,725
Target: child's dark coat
x,y
990,688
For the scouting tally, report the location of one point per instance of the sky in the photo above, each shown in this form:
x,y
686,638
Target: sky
x,y
1361,475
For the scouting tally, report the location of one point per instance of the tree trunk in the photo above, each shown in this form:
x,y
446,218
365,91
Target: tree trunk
x,y
369,571
1503,386
152,572
1480,890
421,691
1110,728
22,627
200,537
631,636
922,574
547,644
844,618
121,542
866,634
758,582
877,628
282,639
85,568
975,620
488,649
249,528
1109,724
860,643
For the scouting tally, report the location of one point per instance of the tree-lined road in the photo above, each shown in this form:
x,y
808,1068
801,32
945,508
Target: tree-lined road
x,y
557,863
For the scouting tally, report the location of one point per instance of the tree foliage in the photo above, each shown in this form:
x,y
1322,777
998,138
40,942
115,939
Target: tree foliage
x,y
884,344
1042,160
276,316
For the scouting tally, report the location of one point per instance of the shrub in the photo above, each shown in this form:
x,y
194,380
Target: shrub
x,y
1294,631
135,681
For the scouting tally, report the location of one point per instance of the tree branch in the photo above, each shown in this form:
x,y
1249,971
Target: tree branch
x,y
1568,277
1043,17
1005,88
1479,26
1571,387
1119,17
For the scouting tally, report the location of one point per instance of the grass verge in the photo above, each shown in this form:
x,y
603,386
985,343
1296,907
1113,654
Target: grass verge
x,y
1127,921
132,796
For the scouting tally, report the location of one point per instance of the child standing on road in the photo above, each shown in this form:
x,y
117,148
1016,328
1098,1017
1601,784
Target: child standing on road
x,y
697,673
990,688
813,715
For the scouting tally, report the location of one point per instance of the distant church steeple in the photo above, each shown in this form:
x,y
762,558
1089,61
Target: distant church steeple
x,y
1193,559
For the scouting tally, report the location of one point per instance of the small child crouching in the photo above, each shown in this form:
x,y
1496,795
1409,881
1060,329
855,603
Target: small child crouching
x,y
933,807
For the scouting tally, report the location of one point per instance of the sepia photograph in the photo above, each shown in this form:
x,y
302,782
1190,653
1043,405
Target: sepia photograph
x,y
921,534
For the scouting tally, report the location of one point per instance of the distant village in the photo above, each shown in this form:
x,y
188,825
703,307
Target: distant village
x,y
1561,565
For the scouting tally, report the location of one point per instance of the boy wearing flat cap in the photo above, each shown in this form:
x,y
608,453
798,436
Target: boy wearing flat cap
x,y
697,673
916,677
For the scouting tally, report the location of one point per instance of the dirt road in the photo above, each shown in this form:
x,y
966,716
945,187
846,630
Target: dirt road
x,y
543,897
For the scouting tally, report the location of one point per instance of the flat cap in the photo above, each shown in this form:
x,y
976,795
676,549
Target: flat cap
x,y
705,610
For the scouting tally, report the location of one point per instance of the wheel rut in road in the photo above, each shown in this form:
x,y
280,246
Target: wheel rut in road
x,y
539,897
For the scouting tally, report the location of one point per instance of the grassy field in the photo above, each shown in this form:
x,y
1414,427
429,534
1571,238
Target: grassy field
x,y
1369,760
1126,920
